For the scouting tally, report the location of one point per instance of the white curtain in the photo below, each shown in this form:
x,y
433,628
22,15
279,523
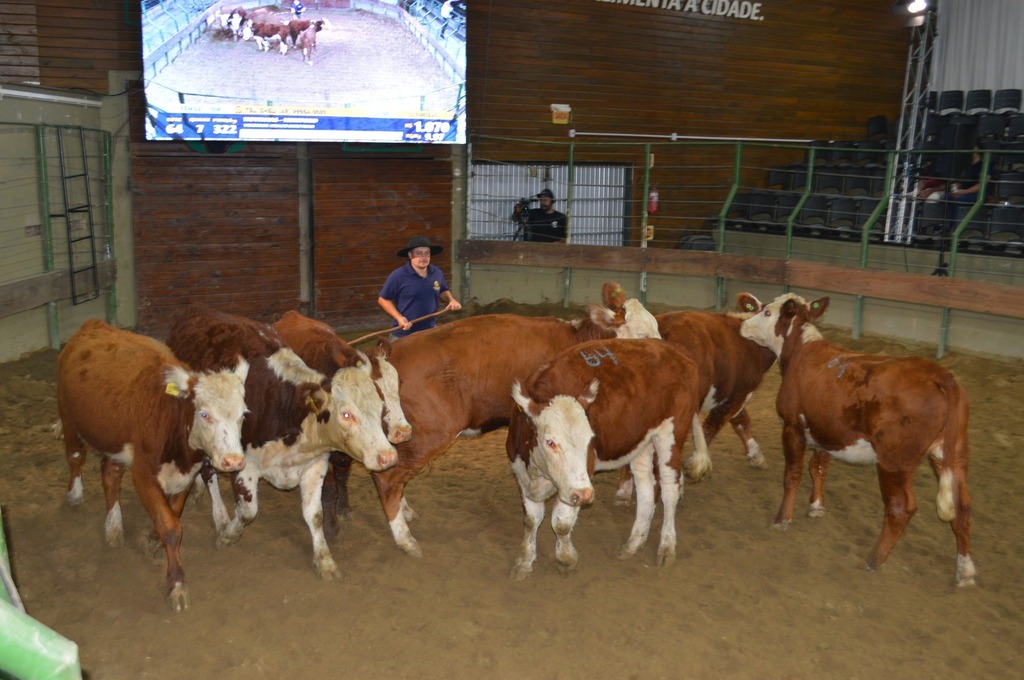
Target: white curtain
x,y
979,46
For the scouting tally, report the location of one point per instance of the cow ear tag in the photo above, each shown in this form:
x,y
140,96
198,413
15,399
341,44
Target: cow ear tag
x,y
815,305
359,364
311,403
750,307
172,389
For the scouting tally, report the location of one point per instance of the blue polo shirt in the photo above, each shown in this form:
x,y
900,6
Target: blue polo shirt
x,y
414,295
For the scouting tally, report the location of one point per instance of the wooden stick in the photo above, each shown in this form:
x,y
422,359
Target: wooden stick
x,y
391,328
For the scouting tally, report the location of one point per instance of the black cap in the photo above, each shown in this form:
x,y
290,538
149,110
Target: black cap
x,y
419,242
546,192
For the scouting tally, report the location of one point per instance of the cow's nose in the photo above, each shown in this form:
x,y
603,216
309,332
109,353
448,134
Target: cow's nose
x,y
231,463
582,496
400,434
387,459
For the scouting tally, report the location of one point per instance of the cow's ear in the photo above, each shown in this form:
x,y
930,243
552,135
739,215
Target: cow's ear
x,y
746,302
524,402
604,317
383,348
177,381
817,308
589,395
312,396
242,369
613,296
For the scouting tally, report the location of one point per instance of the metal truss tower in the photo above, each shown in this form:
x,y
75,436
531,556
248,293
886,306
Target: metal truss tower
x,y
913,119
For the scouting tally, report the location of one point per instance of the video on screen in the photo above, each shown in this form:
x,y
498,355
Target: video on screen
x,y
344,71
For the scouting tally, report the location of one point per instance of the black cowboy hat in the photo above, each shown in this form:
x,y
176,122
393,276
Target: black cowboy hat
x,y
419,242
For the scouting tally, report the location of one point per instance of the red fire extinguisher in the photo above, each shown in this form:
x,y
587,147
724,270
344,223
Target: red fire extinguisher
x,y
652,201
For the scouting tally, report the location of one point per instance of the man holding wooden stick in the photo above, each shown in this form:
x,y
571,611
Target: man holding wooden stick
x,y
413,290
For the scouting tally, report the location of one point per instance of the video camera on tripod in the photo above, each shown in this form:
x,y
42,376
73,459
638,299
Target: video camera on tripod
x,y
521,216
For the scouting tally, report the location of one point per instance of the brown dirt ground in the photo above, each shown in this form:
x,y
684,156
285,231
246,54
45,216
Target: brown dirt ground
x,y
742,601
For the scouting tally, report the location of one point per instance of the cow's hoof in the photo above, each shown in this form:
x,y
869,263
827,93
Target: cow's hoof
x,y
756,461
115,539
816,510
625,553
179,598
412,549
520,571
327,570
965,571
567,568
226,538
782,525
666,558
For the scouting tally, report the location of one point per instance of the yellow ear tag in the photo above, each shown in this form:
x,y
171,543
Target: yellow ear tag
x,y
172,389
359,364
311,403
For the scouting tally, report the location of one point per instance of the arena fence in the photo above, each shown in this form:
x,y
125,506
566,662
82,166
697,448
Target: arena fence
x,y
56,219
815,214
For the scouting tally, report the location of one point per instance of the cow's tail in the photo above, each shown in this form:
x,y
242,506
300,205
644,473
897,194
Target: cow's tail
x,y
699,464
952,467
57,427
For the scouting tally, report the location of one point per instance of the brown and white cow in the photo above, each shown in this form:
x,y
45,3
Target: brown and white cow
x,y
129,398
600,406
731,368
867,408
297,416
266,33
456,379
319,346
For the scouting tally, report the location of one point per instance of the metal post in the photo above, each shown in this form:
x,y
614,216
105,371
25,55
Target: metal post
x,y
47,230
568,220
108,241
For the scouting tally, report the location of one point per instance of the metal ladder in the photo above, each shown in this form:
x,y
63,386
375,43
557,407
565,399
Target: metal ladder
x,y
76,194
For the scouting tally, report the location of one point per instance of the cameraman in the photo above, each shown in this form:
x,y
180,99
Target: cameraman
x,y
543,224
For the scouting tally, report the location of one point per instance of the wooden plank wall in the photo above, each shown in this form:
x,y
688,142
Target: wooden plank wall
x,y
367,209
808,70
218,229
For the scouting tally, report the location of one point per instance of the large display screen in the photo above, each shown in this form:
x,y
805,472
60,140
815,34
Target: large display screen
x,y
342,71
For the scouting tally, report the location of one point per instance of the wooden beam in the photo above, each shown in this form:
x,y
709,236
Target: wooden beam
x,y
36,291
933,291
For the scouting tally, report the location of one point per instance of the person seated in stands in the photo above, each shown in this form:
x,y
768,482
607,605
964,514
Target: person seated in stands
x,y
968,191
930,187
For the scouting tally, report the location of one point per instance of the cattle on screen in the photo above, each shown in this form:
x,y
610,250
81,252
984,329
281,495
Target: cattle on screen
x,y
456,379
600,406
731,368
129,398
297,416
867,408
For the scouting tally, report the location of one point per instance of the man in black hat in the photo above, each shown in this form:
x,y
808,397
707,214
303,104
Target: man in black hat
x,y
543,224
413,290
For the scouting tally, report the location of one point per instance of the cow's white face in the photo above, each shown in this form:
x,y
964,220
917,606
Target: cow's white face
x,y
219,400
564,438
354,424
763,327
639,322
399,429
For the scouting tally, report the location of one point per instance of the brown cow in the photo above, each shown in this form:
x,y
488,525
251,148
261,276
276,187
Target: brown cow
x,y
297,417
456,379
129,398
599,406
306,42
297,26
731,368
867,408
